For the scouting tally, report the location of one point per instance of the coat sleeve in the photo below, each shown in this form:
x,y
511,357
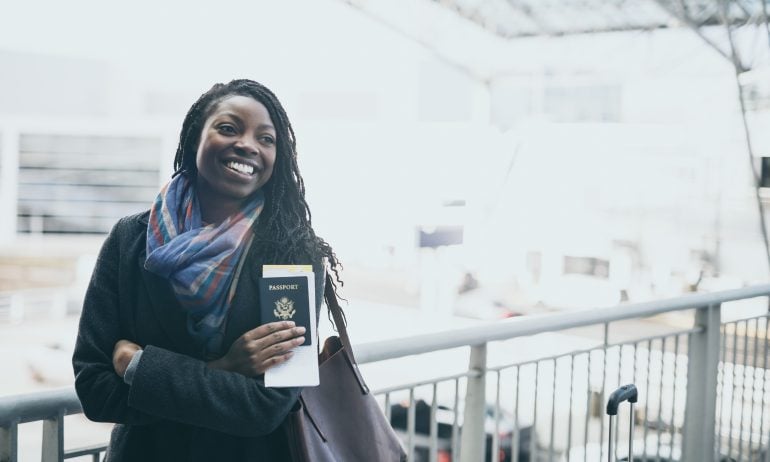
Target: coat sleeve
x,y
183,389
102,393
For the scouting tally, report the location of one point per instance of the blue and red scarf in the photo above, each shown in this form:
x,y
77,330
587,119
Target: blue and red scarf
x,y
198,260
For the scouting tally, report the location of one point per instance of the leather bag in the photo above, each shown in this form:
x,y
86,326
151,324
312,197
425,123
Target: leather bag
x,y
339,420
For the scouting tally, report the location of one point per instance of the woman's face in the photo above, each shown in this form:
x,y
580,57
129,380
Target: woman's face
x,y
236,152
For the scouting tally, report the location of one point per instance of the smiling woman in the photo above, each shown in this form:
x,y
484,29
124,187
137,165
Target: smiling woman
x,y
173,349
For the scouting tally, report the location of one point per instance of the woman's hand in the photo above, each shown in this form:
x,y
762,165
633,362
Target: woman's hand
x,y
262,348
121,355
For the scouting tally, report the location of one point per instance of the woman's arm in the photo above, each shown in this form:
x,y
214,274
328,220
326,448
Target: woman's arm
x,y
251,355
187,390
183,389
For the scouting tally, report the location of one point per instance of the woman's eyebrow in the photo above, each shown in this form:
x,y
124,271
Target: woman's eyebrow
x,y
238,119
232,115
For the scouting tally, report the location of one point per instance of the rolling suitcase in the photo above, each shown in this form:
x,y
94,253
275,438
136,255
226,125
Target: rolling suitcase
x,y
624,393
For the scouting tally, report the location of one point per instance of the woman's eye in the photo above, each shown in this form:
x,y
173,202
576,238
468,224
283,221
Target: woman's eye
x,y
226,129
267,140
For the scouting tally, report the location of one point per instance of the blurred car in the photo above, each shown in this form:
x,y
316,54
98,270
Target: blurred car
x,y
445,417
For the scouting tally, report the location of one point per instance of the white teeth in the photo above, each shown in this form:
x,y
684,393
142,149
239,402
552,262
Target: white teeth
x,y
243,168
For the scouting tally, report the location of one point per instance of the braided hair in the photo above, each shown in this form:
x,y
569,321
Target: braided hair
x,y
283,231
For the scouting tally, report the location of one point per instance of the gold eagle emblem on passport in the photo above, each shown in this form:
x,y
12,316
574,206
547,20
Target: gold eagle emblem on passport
x,y
284,308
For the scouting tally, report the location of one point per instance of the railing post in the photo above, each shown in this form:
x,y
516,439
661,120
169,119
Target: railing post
x,y
473,437
9,443
53,439
702,368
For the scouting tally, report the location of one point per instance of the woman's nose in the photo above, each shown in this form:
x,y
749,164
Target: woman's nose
x,y
246,146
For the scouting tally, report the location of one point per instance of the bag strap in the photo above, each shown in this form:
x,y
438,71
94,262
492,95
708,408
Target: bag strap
x,y
339,318
341,324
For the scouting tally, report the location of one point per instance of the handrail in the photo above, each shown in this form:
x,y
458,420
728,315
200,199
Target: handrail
x,y
530,325
42,405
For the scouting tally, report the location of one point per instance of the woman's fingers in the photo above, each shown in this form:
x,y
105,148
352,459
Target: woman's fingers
x,y
275,353
265,346
275,360
284,347
275,348
267,329
121,355
278,337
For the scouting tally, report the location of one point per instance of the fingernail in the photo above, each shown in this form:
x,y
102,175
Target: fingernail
x,y
301,330
290,323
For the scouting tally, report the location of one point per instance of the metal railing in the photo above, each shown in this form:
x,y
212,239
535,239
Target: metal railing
x,y
50,407
703,390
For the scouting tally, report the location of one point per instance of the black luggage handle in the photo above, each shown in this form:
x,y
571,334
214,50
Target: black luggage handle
x,y
624,393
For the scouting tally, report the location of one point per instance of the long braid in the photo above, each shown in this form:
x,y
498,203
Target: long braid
x,y
284,231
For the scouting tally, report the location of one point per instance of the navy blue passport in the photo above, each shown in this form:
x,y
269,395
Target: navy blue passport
x,y
286,299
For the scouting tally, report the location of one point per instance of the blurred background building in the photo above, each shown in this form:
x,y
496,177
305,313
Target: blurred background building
x,y
589,153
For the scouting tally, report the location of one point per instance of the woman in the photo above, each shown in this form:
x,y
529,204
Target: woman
x,y
170,345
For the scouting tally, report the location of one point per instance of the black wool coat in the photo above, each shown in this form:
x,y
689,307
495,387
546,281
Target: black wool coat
x,y
176,409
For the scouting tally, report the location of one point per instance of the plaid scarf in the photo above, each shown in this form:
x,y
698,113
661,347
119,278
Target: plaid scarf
x,y
199,261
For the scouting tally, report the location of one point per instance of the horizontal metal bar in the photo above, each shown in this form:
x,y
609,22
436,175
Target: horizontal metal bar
x,y
42,405
470,373
766,315
530,325
601,346
85,451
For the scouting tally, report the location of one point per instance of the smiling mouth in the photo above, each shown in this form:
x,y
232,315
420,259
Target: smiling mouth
x,y
240,168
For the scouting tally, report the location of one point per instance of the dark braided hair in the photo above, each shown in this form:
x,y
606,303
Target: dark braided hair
x,y
283,231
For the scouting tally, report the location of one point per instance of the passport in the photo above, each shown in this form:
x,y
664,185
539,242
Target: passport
x,y
301,370
286,299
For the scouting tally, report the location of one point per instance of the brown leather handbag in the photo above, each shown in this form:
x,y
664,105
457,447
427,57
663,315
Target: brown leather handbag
x,y
339,420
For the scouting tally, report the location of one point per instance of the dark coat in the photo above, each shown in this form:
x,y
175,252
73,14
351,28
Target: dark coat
x,y
176,407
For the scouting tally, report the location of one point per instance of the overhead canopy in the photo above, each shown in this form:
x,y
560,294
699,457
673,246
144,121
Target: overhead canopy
x,y
523,18
457,29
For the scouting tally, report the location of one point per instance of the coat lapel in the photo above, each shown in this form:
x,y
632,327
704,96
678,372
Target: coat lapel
x,y
168,311
244,312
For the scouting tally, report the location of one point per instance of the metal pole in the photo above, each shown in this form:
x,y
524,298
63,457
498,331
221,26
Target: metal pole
x,y
9,441
631,434
700,415
53,439
609,441
472,438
